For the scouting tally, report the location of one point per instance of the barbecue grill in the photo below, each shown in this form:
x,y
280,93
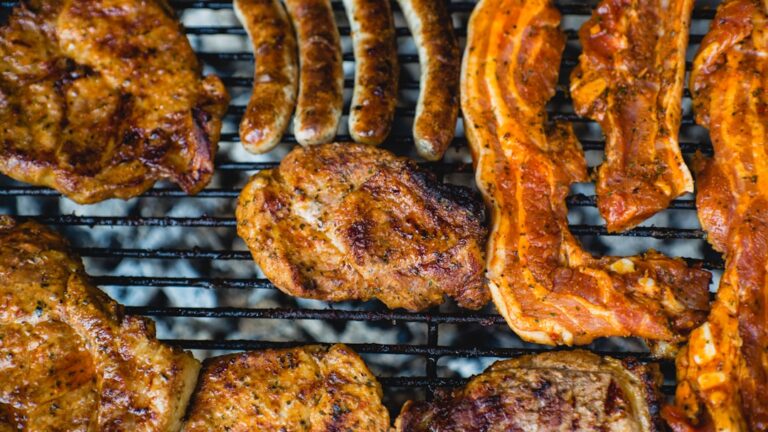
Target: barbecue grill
x,y
177,259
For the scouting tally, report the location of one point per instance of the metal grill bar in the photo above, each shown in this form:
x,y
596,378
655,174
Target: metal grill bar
x,y
432,351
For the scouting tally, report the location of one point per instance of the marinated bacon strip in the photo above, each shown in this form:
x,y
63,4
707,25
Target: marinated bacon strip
x,y
723,372
549,289
630,79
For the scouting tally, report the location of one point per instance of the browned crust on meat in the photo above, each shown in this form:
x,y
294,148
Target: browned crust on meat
x,y
557,391
72,361
440,60
97,111
321,77
310,388
630,79
376,70
275,74
341,223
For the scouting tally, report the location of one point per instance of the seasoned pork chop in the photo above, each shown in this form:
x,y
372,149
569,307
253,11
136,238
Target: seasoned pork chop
x,y
347,221
547,287
101,98
557,391
723,373
630,79
305,389
70,359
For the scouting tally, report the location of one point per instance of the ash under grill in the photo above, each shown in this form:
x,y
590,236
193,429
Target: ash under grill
x,y
178,260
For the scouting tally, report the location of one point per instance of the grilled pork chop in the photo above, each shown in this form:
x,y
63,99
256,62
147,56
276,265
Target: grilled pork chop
x,y
723,373
70,359
311,388
347,221
99,99
556,391
630,79
547,287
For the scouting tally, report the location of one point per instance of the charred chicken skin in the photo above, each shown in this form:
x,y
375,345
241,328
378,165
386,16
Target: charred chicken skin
x,y
546,286
71,360
723,372
557,391
630,79
99,99
351,222
305,389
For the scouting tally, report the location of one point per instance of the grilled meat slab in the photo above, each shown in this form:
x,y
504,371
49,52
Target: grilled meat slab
x,y
348,221
99,99
547,287
630,79
311,388
71,360
556,391
723,373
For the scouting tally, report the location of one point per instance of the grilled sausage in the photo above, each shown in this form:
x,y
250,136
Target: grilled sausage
x,y
321,77
376,70
274,75
440,61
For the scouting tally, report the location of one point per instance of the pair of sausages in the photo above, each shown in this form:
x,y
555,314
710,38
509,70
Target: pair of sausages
x,y
320,82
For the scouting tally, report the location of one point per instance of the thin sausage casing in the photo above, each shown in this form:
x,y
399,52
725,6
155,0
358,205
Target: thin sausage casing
x,y
321,76
376,70
274,76
440,61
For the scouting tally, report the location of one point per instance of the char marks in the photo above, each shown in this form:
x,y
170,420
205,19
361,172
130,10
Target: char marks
x,y
348,221
96,111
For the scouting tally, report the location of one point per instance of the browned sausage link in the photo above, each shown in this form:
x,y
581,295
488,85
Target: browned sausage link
x,y
376,70
321,76
440,61
274,75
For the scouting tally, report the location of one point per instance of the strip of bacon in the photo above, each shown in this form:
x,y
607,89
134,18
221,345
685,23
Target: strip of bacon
x,y
723,372
630,79
546,286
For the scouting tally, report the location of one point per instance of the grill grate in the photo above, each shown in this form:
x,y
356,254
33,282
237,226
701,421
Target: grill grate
x,y
210,214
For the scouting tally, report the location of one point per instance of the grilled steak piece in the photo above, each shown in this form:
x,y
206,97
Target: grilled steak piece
x,y
71,360
99,99
309,388
347,221
556,391
548,288
630,79
723,373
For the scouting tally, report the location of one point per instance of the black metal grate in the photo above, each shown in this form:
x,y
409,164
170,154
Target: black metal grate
x,y
232,173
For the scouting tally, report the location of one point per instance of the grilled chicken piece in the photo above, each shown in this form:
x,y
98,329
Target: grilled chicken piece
x,y
547,287
71,360
347,221
723,373
555,391
101,99
630,79
309,388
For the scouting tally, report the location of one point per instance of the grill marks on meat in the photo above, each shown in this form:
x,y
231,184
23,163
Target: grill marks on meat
x,y
309,388
630,79
347,221
99,101
558,391
723,373
545,285
71,360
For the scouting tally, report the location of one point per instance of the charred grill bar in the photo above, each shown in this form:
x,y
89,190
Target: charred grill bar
x,y
432,351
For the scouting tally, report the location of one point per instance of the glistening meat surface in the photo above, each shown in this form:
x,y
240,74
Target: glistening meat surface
x,y
547,287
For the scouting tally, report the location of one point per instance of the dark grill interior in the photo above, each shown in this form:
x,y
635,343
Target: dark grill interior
x,y
168,240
